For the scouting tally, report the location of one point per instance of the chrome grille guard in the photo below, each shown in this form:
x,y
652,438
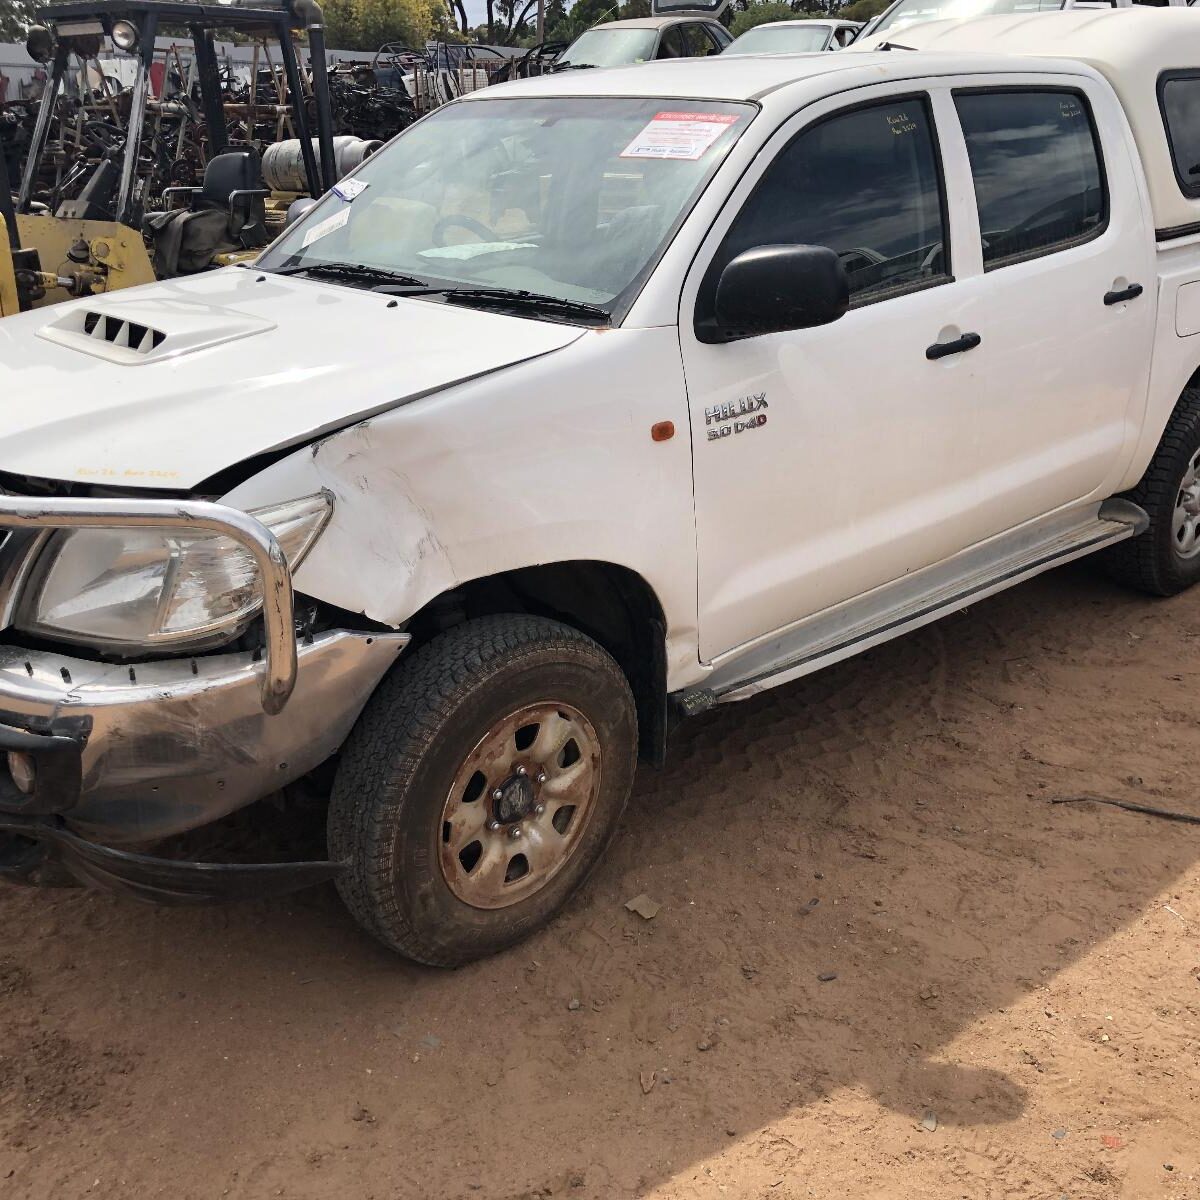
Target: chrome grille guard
x,y
279,666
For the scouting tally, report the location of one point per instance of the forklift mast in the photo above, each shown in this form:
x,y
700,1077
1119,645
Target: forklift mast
x,y
80,27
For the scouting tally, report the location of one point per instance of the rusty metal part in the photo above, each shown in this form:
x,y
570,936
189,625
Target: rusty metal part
x,y
519,805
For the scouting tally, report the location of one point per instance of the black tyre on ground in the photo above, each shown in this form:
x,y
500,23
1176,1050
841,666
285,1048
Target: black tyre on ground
x,y
1166,558
481,784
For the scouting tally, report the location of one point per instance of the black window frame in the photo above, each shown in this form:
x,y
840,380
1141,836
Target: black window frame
x,y
1191,189
706,293
717,44
1105,192
669,31
694,31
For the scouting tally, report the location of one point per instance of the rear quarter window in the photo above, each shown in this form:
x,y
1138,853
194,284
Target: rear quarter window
x,y
1179,101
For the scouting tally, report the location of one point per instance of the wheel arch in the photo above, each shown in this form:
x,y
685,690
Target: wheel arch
x,y
612,604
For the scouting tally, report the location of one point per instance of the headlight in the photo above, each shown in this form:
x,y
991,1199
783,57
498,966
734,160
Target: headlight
x,y
143,588
125,36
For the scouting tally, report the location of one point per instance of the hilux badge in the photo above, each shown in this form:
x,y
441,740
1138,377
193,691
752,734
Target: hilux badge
x,y
735,416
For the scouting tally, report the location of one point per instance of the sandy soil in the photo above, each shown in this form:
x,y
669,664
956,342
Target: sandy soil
x,y
1023,974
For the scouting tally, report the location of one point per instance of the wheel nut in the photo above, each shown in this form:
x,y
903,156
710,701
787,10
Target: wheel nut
x,y
541,777
541,808
497,795
493,825
522,771
515,831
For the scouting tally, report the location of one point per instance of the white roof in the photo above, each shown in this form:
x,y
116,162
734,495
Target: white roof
x,y
788,24
1130,47
765,78
650,22
824,22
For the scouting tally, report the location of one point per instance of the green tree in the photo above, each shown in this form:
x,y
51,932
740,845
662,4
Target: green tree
x,y
367,24
557,21
759,13
863,10
15,18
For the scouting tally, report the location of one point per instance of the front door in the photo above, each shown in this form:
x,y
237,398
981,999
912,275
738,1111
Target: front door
x,y
829,461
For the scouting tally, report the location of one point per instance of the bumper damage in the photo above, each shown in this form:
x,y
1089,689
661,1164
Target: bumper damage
x,y
116,756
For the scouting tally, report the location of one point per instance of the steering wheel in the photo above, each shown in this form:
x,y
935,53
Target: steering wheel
x,y
461,221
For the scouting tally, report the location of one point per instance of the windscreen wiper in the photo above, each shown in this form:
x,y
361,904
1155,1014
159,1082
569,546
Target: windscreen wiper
x,y
353,273
533,301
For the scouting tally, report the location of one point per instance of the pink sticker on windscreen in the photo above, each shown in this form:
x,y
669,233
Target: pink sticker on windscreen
x,y
682,135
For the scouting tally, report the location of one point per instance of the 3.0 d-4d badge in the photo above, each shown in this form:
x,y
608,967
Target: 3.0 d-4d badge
x,y
734,411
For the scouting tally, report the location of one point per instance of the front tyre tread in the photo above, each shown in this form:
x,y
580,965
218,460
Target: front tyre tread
x,y
385,787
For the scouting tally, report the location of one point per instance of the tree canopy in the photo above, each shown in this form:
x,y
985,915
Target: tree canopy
x,y
15,18
367,24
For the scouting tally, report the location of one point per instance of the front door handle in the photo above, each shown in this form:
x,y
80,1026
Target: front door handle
x,y
960,345
1132,292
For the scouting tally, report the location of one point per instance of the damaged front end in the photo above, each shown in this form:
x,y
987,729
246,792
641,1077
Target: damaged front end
x,y
99,754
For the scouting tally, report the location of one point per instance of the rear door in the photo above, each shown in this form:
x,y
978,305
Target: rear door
x,y
1064,358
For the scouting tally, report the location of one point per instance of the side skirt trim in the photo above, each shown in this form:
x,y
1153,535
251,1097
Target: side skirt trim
x,y
811,649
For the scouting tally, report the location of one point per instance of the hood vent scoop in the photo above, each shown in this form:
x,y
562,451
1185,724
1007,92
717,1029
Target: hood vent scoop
x,y
121,333
134,332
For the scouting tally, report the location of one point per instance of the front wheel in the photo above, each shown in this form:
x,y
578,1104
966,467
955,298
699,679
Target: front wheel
x,y
1166,558
480,786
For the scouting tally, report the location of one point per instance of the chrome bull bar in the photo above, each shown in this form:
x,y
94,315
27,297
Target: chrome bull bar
x,y
279,666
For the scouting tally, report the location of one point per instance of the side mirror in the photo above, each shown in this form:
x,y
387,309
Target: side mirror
x,y
772,289
297,209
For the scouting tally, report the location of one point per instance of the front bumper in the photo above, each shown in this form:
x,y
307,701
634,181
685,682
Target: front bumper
x,y
125,755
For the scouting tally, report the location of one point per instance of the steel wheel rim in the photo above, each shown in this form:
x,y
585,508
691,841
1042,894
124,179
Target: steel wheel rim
x,y
519,805
1185,527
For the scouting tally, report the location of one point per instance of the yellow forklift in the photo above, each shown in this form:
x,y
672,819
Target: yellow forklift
x,y
97,241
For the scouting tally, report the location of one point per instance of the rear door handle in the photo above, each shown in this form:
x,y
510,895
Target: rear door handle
x,y
960,345
1132,292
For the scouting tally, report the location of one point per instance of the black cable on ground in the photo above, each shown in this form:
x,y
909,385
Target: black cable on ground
x,y
1165,813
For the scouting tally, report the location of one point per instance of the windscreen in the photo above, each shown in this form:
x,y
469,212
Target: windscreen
x,y
608,48
909,12
801,38
562,197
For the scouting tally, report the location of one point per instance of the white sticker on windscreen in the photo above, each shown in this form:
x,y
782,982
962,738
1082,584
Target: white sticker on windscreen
x,y
324,228
683,135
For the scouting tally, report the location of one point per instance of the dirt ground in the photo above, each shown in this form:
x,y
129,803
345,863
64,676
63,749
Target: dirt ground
x,y
1014,1013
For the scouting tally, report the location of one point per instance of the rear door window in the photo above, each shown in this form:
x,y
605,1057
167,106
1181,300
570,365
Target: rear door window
x,y
1039,177
867,183
1179,99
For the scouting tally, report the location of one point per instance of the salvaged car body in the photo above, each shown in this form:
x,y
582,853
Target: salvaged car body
x,y
533,455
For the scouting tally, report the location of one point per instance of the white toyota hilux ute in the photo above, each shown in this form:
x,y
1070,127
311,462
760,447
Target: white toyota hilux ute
x,y
586,404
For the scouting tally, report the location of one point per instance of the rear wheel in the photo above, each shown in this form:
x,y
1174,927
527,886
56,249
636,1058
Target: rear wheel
x,y
1166,558
480,786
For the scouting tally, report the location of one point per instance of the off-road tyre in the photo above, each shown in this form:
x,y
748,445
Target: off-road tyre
x,y
1151,561
410,743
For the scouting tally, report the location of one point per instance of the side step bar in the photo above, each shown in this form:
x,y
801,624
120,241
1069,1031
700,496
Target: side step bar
x,y
915,600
